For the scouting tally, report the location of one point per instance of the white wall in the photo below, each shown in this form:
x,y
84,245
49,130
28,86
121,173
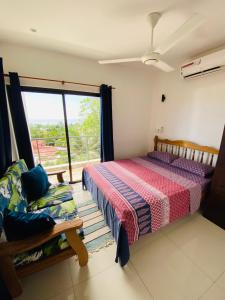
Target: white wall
x,y
194,109
131,99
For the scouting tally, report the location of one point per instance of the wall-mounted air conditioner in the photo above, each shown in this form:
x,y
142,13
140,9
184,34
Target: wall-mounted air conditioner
x,y
204,65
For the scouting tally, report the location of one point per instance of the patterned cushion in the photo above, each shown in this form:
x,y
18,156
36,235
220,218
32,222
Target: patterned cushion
x,y
17,169
5,191
11,196
193,167
49,248
18,201
60,212
163,156
56,194
5,188
65,211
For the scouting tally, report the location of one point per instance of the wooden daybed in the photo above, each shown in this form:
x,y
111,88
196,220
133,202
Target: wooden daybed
x,y
8,250
58,202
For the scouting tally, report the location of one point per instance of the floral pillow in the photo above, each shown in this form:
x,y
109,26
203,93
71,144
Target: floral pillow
x,y
5,194
11,193
194,167
163,156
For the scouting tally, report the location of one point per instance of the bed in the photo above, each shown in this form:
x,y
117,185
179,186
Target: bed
x,y
141,195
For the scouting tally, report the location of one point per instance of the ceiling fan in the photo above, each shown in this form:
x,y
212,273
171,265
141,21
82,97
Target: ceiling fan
x,y
153,55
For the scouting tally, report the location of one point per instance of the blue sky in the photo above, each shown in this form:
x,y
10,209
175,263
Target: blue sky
x,y
48,107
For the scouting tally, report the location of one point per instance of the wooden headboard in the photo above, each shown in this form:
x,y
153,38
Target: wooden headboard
x,y
186,149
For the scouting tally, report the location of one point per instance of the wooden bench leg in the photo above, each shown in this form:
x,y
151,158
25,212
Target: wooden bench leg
x,y
76,243
60,177
9,276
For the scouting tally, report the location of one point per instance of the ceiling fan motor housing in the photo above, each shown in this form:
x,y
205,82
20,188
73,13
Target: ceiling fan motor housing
x,y
150,59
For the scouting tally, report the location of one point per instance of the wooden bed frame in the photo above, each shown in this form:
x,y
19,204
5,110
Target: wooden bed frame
x,y
186,149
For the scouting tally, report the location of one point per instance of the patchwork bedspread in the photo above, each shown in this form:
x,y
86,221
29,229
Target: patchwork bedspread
x,y
144,194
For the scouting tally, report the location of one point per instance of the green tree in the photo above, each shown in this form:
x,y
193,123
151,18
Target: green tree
x,y
90,126
90,112
84,134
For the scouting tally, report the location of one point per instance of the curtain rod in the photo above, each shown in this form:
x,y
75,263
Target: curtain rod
x,y
59,81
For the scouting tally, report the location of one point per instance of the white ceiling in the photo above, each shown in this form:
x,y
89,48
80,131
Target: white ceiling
x,y
102,29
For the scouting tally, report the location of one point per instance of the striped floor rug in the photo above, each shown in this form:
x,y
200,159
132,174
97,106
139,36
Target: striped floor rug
x,y
97,233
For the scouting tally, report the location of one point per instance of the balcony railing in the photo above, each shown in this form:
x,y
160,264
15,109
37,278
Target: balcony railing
x,y
52,151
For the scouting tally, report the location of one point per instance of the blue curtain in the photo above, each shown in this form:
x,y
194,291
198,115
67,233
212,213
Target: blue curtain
x,y
107,149
5,141
19,121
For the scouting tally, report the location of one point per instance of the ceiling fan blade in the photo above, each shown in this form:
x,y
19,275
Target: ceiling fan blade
x,y
120,60
190,25
163,66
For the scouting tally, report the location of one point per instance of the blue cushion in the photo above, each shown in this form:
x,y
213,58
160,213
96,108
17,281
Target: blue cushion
x,y
20,225
35,183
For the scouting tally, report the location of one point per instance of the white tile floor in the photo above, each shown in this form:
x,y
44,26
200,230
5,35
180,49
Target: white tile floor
x,y
185,260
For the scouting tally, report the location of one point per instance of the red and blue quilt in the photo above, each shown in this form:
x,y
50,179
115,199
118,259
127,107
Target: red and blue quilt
x,y
146,194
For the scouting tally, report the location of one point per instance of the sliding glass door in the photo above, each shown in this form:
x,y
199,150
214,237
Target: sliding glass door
x,y
83,118
64,128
